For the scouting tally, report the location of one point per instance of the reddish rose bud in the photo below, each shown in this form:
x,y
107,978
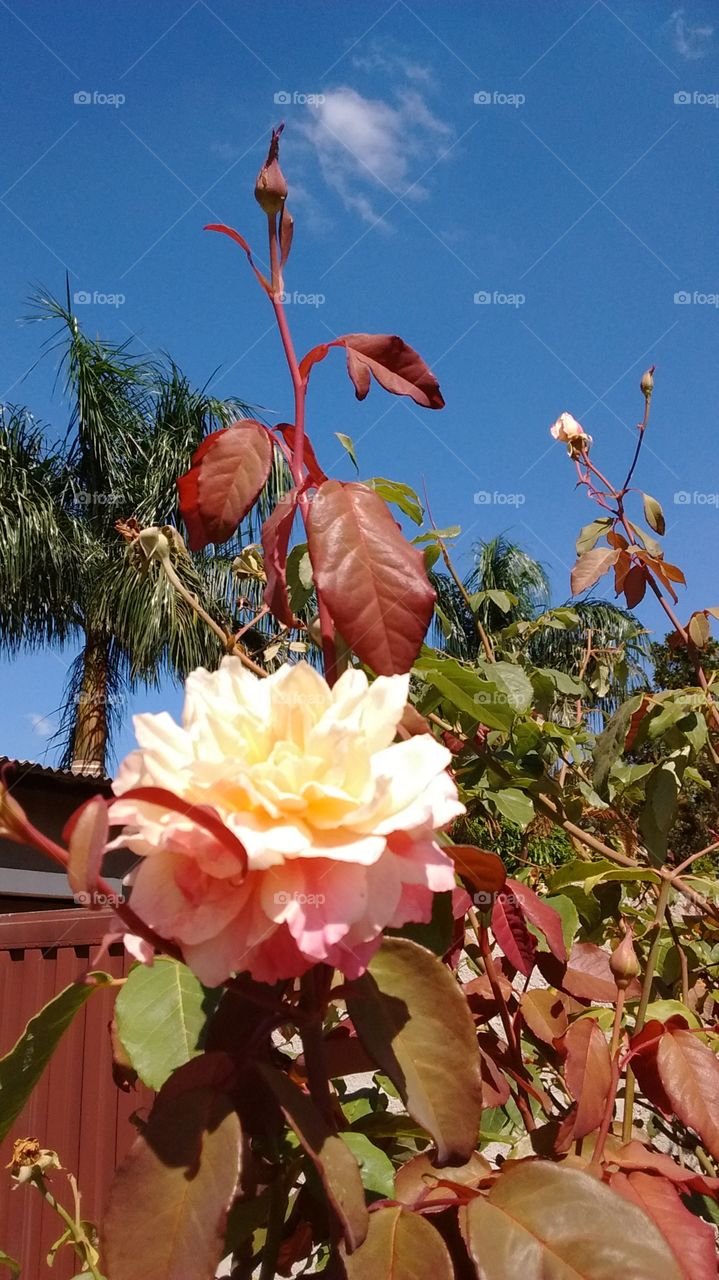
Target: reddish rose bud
x,y
271,185
624,962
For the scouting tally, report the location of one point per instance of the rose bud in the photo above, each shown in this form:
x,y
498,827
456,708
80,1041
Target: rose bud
x,y
647,382
567,429
271,185
624,962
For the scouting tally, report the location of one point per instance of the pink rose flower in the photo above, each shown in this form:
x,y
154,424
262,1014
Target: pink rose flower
x,y
567,429
337,821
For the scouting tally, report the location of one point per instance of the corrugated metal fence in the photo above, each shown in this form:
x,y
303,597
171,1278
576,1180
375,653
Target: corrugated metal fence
x,y
76,1109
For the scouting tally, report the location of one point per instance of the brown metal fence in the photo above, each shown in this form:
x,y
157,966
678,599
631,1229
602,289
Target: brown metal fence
x,y
76,1109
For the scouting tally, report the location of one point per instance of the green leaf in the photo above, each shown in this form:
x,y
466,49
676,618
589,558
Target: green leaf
x,y
10,1263
400,1245
568,686
299,577
332,1158
514,805
591,533
513,682
569,916
170,1197
558,1223
660,807
348,445
161,1014
23,1066
653,514
610,743
435,535
376,1168
415,1024
504,600
402,495
481,699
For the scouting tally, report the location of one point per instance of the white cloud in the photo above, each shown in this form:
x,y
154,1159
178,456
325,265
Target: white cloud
x,y
692,42
41,725
381,59
364,144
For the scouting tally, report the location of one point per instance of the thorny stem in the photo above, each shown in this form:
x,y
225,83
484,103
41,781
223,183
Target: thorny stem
x,y
513,1044
296,460
644,1002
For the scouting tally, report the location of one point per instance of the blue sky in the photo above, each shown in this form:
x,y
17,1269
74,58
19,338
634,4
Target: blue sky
x,y
578,194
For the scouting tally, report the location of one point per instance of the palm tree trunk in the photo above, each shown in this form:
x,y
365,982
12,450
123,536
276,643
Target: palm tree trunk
x,y
89,740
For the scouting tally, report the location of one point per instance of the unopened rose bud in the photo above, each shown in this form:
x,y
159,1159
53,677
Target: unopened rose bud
x,y
624,962
154,544
271,185
647,382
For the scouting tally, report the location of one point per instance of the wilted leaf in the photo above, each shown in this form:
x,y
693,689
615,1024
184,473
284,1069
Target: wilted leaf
x,y
588,1073
170,1197
400,1245
372,581
334,1161
161,1013
513,937
544,1222
276,533
590,567
415,1024
690,1239
226,476
23,1066
699,629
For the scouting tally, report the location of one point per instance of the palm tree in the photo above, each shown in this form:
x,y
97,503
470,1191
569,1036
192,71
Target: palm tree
x,y
64,572
501,566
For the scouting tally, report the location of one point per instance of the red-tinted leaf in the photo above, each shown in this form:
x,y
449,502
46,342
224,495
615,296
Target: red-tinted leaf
x,y
689,1072
544,1012
589,977
641,711
634,585
227,474
85,835
170,1197
495,1086
635,1155
513,937
276,533
539,913
372,581
483,869
287,227
316,474
588,1073
396,366
690,1239
235,235
644,1047
417,1181
400,1246
590,567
